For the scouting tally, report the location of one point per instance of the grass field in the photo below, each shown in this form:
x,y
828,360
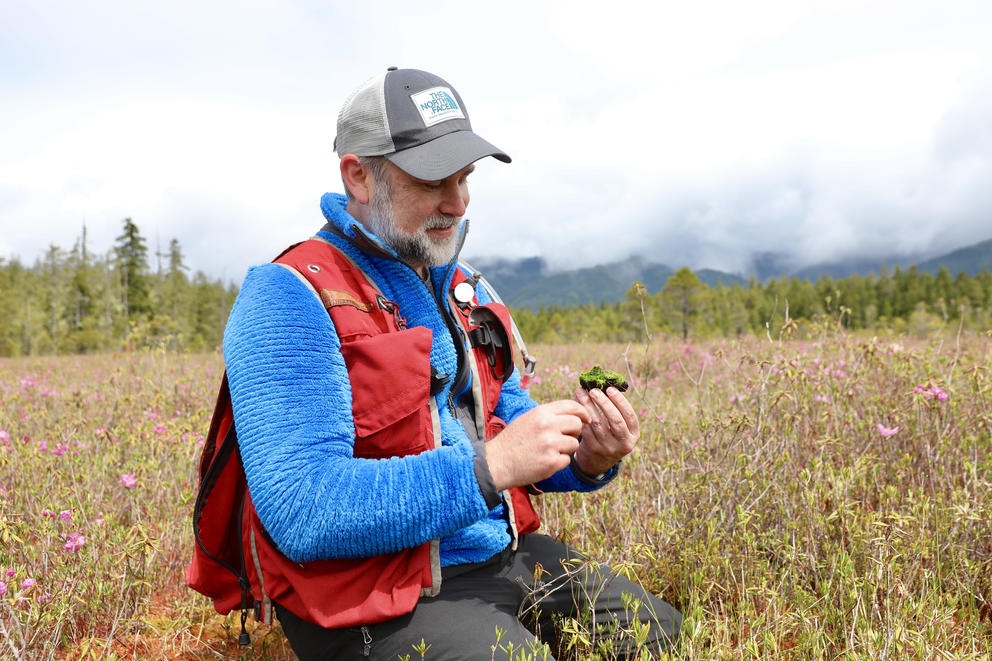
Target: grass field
x,y
795,499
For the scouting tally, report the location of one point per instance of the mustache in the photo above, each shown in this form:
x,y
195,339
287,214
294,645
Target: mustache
x,y
440,221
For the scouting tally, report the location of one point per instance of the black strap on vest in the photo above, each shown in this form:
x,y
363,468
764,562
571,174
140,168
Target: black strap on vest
x,y
492,337
228,448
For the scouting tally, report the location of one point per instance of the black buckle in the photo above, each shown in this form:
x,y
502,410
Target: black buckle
x,y
492,337
438,380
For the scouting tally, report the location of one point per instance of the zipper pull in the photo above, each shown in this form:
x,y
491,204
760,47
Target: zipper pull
x,y
367,639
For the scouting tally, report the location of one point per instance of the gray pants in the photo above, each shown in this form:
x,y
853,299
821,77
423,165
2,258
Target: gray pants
x,y
509,602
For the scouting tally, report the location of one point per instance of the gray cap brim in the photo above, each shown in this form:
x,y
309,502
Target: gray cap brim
x,y
445,155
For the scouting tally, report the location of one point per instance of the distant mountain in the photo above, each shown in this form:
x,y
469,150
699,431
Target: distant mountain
x,y
972,260
530,283
511,275
768,265
849,267
606,282
714,278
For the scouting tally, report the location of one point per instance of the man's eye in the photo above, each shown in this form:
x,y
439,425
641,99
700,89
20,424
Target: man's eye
x,y
432,185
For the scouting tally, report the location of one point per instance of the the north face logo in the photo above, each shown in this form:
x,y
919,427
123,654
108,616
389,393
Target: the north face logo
x,y
437,105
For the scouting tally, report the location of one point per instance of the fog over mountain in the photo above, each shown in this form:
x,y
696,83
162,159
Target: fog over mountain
x,y
806,207
708,134
530,283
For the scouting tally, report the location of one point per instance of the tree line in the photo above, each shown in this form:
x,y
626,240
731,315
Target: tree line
x,y
79,301
900,301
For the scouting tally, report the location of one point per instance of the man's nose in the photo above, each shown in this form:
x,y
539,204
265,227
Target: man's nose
x,y
455,201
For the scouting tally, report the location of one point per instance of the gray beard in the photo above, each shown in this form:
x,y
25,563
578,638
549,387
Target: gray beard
x,y
416,249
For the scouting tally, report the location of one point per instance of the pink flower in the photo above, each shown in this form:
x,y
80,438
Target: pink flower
x,y
931,392
4,436
47,513
65,515
10,573
28,582
128,480
98,522
886,432
160,429
3,588
823,399
74,541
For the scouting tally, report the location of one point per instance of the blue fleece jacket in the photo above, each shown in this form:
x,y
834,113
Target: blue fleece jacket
x,y
292,406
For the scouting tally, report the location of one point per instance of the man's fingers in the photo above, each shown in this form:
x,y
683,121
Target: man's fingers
x,y
626,409
569,407
569,445
610,413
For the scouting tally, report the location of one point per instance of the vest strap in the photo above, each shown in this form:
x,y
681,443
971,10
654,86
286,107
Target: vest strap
x,y
335,297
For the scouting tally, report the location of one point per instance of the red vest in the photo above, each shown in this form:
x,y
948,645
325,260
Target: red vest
x,y
234,561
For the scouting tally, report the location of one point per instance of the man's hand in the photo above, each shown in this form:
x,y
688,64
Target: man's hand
x,y
611,433
536,445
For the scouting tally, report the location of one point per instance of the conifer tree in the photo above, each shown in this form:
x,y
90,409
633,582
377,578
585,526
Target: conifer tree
x,y
684,295
132,259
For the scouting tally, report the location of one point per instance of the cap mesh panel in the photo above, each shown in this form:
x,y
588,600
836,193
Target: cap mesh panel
x,y
363,128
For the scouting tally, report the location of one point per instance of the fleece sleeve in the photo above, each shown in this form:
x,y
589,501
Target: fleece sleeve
x,y
292,408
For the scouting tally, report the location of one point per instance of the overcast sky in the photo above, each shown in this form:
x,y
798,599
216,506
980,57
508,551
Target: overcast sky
x,y
695,133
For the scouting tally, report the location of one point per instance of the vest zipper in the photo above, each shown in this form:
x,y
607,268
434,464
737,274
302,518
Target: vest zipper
x,y
461,372
367,639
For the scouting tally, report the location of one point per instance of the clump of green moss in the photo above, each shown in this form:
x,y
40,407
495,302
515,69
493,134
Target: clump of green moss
x,y
597,377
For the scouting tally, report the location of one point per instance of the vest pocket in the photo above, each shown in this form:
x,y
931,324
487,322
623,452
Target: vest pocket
x,y
390,378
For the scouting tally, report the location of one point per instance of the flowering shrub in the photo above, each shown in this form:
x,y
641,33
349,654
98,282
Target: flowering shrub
x,y
886,432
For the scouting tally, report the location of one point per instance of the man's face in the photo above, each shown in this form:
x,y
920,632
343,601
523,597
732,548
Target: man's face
x,y
419,219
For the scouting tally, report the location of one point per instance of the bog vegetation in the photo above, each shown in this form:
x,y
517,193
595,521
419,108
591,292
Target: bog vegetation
x,y
794,498
809,491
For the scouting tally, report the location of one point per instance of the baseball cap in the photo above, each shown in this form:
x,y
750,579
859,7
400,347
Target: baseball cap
x,y
416,120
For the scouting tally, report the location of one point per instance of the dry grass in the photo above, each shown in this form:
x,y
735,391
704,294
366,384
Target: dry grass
x,y
764,500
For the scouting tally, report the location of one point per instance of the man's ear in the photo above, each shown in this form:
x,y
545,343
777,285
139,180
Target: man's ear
x,y
357,178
